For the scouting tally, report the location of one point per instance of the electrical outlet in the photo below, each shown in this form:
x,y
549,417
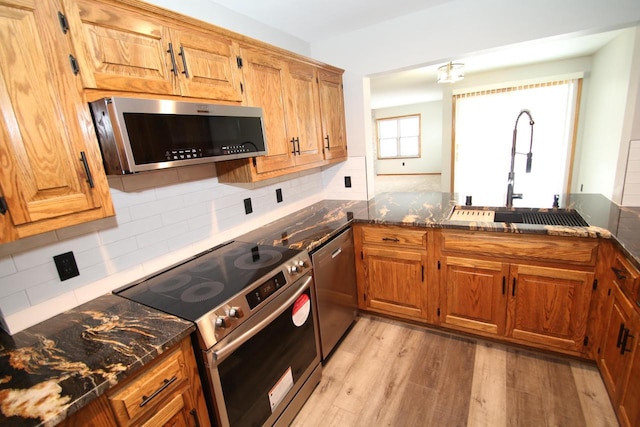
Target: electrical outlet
x,y
66,265
247,206
347,181
279,195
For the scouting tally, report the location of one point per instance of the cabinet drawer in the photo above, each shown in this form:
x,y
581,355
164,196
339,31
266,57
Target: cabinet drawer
x,y
141,393
626,274
523,247
395,236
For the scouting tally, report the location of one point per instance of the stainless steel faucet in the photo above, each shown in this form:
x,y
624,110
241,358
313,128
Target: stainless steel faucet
x,y
510,194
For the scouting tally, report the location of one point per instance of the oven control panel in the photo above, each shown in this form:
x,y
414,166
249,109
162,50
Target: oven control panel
x,y
223,320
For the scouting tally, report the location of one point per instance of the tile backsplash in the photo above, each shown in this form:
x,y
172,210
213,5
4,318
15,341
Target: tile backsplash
x,y
161,218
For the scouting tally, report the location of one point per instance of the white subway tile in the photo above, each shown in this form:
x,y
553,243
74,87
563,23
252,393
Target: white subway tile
x,y
35,314
26,279
14,303
7,266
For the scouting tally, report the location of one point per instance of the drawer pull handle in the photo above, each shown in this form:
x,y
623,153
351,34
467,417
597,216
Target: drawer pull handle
x,y
619,274
390,239
166,384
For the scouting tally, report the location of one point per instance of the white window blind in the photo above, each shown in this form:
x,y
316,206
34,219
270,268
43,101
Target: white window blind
x,y
484,124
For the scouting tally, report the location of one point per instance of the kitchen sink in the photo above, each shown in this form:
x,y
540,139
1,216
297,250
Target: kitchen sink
x,y
560,217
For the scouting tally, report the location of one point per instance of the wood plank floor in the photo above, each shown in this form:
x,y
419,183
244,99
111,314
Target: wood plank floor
x,y
388,373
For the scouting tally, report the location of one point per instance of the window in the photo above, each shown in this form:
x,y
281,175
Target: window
x,y
399,137
484,124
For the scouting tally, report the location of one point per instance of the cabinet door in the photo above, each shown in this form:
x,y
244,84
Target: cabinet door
x,y
304,113
394,281
265,84
332,109
612,359
629,408
119,49
45,127
474,294
549,306
207,65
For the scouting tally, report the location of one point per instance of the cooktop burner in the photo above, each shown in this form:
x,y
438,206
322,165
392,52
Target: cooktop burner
x,y
204,282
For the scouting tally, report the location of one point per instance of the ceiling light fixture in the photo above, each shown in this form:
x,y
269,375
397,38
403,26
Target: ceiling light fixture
x,y
451,72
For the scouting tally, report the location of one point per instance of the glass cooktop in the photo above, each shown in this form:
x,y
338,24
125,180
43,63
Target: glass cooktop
x,y
201,284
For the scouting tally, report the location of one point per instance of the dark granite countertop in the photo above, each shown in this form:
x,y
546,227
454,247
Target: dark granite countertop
x,y
56,367
311,227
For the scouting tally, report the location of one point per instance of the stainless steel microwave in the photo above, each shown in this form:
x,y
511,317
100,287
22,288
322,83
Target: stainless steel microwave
x,y
138,135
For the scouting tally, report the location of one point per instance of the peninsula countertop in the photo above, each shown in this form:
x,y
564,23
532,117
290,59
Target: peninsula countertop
x,y
314,225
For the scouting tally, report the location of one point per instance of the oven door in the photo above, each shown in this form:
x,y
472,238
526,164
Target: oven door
x,y
259,368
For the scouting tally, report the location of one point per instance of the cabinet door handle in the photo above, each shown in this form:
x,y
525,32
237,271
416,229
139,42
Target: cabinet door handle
x,y
194,414
504,285
85,163
618,273
328,147
184,62
620,334
623,345
513,289
298,144
390,239
166,384
293,146
173,60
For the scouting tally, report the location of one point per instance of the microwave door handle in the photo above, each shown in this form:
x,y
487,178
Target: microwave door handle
x,y
221,354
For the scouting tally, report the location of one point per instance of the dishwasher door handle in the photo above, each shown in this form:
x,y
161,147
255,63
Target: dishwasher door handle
x,y
336,252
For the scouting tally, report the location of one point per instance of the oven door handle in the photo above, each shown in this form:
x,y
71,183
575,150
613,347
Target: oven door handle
x,y
222,353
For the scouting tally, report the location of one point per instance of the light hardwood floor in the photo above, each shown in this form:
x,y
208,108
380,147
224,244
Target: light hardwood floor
x,y
388,373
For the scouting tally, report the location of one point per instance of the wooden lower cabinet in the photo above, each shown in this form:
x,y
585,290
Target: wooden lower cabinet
x,y
390,267
528,289
549,306
629,407
619,358
166,392
474,294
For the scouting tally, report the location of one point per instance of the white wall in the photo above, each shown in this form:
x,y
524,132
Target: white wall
x,y
452,30
606,121
430,160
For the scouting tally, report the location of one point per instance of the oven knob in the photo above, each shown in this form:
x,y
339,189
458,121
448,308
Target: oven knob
x,y
301,263
221,322
235,312
295,269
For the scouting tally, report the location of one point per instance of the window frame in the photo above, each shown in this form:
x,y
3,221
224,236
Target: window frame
x,y
399,138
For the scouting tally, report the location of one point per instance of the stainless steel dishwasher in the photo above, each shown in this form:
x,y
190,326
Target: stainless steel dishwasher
x,y
335,279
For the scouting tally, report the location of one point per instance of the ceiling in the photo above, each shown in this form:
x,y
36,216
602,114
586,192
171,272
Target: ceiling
x,y
315,20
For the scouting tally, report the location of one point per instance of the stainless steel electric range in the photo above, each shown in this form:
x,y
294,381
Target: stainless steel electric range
x,y
256,339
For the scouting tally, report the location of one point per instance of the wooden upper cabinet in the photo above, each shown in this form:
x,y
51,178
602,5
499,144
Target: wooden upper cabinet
x,y
121,49
549,306
207,65
304,112
266,79
334,133
51,174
